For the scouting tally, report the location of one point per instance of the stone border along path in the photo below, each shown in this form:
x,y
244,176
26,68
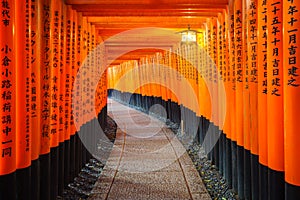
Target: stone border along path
x,y
147,161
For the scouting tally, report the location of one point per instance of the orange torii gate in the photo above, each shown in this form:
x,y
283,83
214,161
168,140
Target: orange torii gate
x,y
256,80
40,54
249,46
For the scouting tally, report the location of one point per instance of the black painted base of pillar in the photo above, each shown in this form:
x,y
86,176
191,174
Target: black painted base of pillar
x,y
8,186
240,171
247,174
228,167
234,166
35,179
292,192
61,167
67,163
221,152
84,159
54,158
72,158
254,177
276,185
209,131
78,154
23,180
263,181
45,176
216,155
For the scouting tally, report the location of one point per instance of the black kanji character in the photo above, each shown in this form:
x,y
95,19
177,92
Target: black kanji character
x,y
293,71
6,61
291,82
6,152
6,84
292,10
7,130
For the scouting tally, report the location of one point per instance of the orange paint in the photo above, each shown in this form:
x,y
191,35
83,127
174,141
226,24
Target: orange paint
x,y
169,77
226,75
291,52
55,72
199,83
79,49
101,59
143,78
221,67
46,63
275,86
83,79
35,78
183,71
253,74
239,63
194,79
88,76
178,75
161,64
97,74
68,71
232,71
209,70
174,76
105,88
63,134
246,77
23,66
207,104
262,82
214,71
157,73
74,68
8,92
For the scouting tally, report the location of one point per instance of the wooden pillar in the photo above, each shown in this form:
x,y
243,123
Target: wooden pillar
x,y
253,87
23,66
232,65
291,82
35,95
262,65
46,63
275,100
8,151
55,27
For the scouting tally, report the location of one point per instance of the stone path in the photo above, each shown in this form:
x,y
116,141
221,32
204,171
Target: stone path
x,y
146,162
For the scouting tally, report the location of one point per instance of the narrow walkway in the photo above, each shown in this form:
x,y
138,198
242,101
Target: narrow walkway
x,y
146,162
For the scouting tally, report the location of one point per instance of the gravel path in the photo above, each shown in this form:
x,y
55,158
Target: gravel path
x,y
147,161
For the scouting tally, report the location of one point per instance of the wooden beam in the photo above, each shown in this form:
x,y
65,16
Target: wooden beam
x,y
112,17
159,3
196,26
145,19
114,55
138,22
213,13
137,51
114,8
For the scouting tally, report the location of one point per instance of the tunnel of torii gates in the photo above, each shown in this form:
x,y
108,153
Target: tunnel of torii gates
x,y
240,81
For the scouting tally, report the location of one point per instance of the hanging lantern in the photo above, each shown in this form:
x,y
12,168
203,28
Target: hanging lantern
x,y
188,36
